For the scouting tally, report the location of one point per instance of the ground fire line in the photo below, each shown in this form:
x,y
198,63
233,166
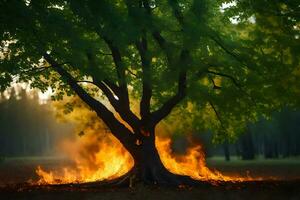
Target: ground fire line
x,y
106,159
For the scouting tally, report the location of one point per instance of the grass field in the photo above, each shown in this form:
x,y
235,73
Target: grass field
x,y
280,169
18,170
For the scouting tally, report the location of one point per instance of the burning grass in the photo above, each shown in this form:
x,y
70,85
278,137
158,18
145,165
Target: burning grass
x,y
105,159
99,156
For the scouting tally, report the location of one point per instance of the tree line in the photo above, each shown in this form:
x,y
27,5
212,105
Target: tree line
x,y
278,137
27,127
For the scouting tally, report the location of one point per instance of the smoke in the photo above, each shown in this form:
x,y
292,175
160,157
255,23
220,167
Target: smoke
x,y
97,155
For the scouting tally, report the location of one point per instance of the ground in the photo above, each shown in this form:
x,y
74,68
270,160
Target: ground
x,y
18,170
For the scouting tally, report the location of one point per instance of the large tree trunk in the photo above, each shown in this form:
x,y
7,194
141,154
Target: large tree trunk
x,y
226,150
148,167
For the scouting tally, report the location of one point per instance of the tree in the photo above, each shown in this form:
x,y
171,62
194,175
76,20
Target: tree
x,y
247,146
168,54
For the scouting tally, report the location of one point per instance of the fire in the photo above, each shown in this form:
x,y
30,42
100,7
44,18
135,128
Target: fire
x,y
192,163
97,155
95,159
105,159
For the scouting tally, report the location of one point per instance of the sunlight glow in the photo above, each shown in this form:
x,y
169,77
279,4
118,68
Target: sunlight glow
x,y
227,5
45,96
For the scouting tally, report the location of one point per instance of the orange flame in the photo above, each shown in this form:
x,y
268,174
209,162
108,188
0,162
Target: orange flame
x,y
107,159
97,155
192,163
95,159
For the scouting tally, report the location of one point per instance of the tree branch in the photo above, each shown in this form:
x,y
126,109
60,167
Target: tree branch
x,y
117,128
217,114
121,90
35,70
132,73
110,96
156,34
235,82
107,92
126,114
114,97
146,79
216,87
236,57
116,54
113,87
166,109
225,75
168,106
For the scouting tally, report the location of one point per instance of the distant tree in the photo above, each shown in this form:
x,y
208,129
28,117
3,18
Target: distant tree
x,y
169,53
288,132
247,146
274,137
226,150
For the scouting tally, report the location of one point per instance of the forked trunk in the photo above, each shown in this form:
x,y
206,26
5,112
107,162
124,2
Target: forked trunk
x,y
148,165
149,169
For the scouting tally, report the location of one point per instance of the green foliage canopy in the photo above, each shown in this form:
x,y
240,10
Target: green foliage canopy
x,y
241,57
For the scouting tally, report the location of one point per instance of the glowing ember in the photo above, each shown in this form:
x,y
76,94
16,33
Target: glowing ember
x,y
98,159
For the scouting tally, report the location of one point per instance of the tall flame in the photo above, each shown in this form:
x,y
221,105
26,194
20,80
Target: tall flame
x,y
104,159
192,163
95,159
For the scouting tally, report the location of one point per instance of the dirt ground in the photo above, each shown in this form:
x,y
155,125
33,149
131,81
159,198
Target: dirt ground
x,y
14,172
257,191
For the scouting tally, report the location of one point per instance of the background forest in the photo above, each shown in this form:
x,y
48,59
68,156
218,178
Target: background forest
x,y
29,128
